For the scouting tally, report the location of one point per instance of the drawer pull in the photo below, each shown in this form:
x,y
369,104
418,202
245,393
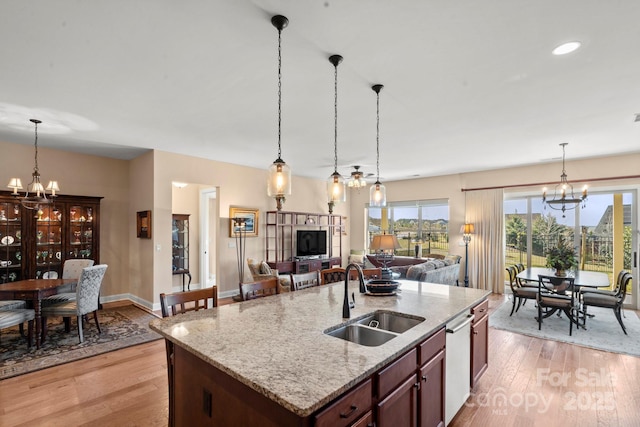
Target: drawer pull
x,y
354,408
425,378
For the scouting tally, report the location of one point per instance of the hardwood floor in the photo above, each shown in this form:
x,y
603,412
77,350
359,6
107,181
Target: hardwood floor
x,y
129,388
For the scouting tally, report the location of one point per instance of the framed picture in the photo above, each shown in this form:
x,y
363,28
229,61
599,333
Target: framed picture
x,y
143,224
249,217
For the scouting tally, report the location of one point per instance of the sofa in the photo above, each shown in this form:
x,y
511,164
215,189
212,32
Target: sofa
x,y
444,271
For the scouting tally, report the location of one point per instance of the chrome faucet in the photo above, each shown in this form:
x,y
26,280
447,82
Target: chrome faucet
x,y
346,306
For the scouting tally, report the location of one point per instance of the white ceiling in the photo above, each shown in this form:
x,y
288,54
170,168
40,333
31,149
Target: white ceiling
x,y
469,85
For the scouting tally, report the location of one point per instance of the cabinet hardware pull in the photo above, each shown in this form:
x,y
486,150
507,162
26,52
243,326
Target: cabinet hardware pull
x,y
475,332
425,378
354,408
417,385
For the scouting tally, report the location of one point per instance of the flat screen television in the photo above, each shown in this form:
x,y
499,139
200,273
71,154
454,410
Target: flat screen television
x,y
311,243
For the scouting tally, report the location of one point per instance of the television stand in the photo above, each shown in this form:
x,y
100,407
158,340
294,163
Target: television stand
x,y
307,265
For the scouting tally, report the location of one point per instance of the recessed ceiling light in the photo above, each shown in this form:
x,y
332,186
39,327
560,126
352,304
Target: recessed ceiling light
x,y
565,48
179,184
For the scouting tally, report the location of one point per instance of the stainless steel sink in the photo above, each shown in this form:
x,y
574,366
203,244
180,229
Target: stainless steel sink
x,y
376,328
389,321
362,335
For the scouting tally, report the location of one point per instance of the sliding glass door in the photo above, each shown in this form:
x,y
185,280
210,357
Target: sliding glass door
x,y
601,232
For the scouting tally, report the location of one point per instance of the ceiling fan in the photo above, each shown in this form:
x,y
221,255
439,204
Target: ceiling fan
x,y
357,179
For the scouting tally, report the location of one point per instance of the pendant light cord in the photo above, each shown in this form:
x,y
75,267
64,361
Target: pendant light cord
x,y
378,136
279,90
335,120
35,169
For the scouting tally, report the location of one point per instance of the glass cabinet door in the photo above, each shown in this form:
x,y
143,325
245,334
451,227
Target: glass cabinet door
x,y
180,243
48,256
10,242
80,237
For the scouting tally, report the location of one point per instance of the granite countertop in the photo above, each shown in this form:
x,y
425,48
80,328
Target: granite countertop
x,y
276,345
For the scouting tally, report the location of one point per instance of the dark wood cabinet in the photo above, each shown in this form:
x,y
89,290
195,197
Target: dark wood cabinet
x,y
479,341
409,391
34,243
305,266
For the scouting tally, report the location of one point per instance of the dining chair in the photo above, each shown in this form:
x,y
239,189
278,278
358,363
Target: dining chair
x,y
183,302
259,289
87,300
556,294
332,275
18,316
520,294
622,276
367,273
305,280
613,302
71,269
521,282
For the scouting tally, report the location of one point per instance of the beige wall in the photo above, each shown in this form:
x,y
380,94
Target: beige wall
x,y
84,175
450,187
140,269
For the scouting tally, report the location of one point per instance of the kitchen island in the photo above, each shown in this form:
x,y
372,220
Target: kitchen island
x,y
268,361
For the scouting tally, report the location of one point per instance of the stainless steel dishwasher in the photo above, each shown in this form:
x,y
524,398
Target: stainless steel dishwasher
x,y
458,364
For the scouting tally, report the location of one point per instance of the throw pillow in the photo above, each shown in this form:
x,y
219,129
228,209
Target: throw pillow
x,y
254,266
438,263
265,269
452,259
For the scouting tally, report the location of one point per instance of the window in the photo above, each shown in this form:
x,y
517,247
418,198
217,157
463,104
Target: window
x,y
422,227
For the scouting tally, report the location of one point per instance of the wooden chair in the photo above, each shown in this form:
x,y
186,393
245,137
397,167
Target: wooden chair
x,y
368,273
305,280
332,275
260,289
556,293
183,302
520,294
622,277
607,301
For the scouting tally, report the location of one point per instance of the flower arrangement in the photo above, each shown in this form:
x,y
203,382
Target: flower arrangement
x,y
562,257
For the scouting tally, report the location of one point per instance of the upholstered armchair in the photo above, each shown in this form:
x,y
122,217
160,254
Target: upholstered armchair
x,y
260,270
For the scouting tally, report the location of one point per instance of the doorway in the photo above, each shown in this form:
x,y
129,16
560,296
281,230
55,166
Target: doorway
x,y
208,230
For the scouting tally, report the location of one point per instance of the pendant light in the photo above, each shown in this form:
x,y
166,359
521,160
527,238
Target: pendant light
x,y
279,180
35,194
335,184
378,193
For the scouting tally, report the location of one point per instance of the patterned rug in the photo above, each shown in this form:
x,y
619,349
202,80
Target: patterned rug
x,y
603,331
121,327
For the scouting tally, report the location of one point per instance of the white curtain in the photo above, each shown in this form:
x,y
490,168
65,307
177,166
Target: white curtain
x,y
484,209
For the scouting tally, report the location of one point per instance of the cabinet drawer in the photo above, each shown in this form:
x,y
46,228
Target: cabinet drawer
x,y
347,408
396,372
431,346
480,311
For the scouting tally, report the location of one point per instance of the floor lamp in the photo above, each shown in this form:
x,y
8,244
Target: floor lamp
x,y
240,232
466,230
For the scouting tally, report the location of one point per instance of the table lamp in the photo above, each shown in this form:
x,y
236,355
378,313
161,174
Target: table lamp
x,y
383,245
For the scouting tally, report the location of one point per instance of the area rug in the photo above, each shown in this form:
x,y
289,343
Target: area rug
x,y
603,331
121,327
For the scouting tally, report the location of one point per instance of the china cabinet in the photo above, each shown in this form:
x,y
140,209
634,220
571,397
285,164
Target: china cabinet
x,y
34,243
180,246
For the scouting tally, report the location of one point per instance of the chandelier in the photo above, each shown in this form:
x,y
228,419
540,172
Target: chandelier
x,y
279,180
563,197
35,194
335,184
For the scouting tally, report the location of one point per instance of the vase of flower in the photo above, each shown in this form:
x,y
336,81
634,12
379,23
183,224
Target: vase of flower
x,y
561,258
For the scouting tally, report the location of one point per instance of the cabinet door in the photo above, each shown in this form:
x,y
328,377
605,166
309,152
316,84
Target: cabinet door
x,y
10,241
81,242
431,397
400,407
48,256
479,348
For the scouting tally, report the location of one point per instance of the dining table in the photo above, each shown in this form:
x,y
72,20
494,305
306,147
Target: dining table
x,y
582,278
33,291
